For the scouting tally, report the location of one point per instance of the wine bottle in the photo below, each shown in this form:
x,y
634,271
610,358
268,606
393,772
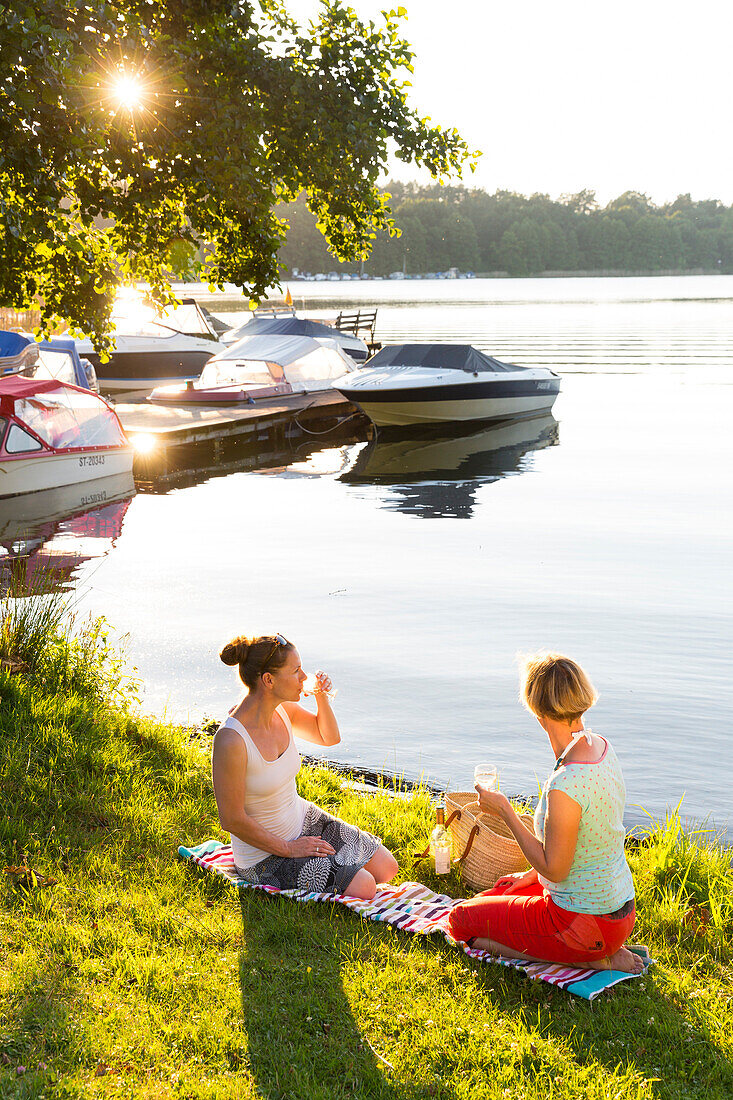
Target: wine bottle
x,y
440,843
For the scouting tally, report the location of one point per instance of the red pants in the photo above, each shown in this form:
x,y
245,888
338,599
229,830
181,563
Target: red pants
x,y
530,922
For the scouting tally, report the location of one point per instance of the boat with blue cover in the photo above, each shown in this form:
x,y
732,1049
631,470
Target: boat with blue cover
x,y
57,358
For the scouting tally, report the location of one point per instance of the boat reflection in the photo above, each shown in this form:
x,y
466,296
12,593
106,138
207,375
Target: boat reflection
x,y
437,475
46,536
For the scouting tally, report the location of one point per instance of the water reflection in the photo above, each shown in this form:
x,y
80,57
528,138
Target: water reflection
x,y
49,534
437,475
284,448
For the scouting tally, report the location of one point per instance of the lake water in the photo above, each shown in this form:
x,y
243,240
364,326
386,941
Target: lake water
x,y
415,573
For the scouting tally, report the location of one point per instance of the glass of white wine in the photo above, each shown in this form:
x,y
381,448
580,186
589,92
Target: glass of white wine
x,y
311,686
486,775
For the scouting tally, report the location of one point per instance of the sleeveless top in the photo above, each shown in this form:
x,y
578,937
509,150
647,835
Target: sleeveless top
x,y
599,880
270,796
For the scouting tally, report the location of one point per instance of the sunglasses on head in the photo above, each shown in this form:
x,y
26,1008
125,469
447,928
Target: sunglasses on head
x,y
280,640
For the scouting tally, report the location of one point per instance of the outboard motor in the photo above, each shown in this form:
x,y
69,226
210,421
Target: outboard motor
x,y
91,374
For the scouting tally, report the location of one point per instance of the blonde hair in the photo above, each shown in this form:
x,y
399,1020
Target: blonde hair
x,y
554,686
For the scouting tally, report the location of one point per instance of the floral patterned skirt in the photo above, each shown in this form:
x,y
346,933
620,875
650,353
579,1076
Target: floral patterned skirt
x,y
322,874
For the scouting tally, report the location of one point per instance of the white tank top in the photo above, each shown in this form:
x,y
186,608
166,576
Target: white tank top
x,y
270,796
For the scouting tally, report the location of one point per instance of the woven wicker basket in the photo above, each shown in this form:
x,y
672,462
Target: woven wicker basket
x,y
493,852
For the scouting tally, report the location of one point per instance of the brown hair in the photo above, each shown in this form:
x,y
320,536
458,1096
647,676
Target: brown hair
x,y
255,656
553,686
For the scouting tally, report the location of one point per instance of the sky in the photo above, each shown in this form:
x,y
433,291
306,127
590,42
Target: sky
x,y
572,95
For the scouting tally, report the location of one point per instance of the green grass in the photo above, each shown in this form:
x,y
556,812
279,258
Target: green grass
x,y
138,975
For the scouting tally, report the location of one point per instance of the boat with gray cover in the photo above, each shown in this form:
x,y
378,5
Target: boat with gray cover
x,y
446,383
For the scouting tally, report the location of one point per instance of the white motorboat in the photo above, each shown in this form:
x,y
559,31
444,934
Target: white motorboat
x,y
445,383
151,349
259,368
291,325
52,434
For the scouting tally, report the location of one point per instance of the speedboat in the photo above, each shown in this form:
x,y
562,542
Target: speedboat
x,y
56,358
443,383
290,325
153,348
260,368
52,434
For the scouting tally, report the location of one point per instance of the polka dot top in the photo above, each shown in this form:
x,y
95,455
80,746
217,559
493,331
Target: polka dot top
x,y
599,880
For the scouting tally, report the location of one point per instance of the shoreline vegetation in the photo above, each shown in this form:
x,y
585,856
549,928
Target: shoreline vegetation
x,y
125,972
507,234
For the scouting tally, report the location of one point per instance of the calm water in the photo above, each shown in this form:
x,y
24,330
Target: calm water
x,y
415,572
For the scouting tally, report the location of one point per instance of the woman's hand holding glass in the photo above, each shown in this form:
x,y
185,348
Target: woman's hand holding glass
x,y
491,801
319,684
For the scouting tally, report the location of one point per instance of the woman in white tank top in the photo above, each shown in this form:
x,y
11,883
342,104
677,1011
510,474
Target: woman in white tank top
x,y
278,838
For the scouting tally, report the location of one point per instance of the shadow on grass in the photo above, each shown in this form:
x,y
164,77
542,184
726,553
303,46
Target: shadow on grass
x,y
648,1032
639,1027
303,1038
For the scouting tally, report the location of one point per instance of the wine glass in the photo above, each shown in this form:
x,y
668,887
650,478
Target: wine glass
x,y
486,775
310,687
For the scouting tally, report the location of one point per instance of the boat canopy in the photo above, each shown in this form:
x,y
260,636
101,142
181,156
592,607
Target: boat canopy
x,y
264,360
282,326
16,349
57,358
440,357
60,416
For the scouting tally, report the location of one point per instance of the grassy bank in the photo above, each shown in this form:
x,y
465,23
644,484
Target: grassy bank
x,y
136,975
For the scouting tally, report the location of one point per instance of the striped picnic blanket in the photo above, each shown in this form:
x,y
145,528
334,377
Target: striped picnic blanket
x,y
413,908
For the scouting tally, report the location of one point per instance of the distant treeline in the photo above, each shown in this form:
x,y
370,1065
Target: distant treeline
x,y
444,227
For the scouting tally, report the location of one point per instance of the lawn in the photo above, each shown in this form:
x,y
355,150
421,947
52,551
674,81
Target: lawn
x,y
125,972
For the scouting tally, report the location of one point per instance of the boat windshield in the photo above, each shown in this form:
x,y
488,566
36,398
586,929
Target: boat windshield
x,y
55,363
135,318
320,365
242,372
66,418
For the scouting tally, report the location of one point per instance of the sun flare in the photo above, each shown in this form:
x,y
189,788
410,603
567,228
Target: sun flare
x,y
128,91
143,444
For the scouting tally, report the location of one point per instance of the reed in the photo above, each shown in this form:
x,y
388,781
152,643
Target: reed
x,y
32,609
43,635
19,318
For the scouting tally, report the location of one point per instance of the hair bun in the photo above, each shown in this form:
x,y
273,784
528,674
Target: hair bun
x,y
235,652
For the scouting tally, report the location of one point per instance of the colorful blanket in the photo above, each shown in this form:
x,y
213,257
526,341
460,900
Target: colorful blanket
x,y
413,908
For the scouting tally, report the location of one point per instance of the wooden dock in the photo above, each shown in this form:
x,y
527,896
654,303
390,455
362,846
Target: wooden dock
x,y
173,426
183,446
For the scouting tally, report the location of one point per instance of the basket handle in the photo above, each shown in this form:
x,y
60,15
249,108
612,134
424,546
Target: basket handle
x,y
424,855
471,837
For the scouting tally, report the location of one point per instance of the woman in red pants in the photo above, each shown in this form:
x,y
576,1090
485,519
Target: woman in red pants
x,y
576,903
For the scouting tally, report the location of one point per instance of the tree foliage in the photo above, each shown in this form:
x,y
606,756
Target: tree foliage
x,y
237,110
448,226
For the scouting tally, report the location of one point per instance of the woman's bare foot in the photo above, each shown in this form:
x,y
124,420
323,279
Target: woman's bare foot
x,y
623,959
